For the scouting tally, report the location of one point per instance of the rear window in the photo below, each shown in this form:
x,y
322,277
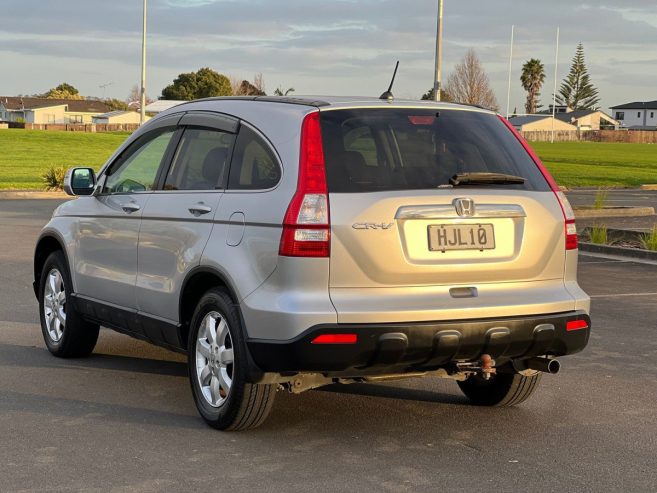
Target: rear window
x,y
368,150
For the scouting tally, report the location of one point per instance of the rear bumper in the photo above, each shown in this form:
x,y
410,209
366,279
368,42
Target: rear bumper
x,y
403,347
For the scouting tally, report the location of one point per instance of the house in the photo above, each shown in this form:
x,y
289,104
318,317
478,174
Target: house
x,y
53,111
540,123
588,119
636,115
113,117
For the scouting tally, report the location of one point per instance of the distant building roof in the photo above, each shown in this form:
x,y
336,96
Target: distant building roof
x,y
74,105
519,121
637,105
574,115
113,113
162,105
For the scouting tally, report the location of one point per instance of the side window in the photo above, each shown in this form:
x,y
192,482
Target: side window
x,y
200,160
138,171
360,140
254,166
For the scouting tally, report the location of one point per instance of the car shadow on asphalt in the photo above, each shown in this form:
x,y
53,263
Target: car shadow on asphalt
x,y
396,393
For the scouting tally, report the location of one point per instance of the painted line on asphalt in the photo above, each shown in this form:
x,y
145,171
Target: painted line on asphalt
x,y
618,258
622,295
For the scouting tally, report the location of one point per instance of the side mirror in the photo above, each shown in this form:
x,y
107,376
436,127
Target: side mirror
x,y
80,181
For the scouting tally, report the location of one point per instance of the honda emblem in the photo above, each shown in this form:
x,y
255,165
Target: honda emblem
x,y
464,207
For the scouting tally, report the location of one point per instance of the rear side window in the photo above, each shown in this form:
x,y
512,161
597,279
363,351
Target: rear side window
x,y
200,160
254,166
368,150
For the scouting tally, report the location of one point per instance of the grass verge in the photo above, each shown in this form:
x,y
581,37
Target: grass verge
x,y
593,164
27,154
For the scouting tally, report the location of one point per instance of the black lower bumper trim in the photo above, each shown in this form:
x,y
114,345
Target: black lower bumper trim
x,y
383,348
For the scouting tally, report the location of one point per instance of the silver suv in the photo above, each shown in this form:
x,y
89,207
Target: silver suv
x,y
290,243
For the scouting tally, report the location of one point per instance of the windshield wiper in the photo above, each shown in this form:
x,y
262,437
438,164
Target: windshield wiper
x,y
485,179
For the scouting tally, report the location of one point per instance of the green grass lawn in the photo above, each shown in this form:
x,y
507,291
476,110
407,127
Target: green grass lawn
x,y
26,154
580,164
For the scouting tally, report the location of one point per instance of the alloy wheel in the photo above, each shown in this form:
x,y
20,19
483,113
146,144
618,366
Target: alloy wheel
x,y
214,359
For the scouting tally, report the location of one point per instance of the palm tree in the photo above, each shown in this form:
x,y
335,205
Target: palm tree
x,y
532,78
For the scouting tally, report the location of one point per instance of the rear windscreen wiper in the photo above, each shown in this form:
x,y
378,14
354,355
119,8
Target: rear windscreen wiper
x,y
485,179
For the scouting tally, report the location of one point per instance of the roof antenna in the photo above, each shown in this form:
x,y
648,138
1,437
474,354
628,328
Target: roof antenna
x,y
387,96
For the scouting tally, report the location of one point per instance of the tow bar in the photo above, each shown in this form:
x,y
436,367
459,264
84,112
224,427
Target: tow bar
x,y
485,366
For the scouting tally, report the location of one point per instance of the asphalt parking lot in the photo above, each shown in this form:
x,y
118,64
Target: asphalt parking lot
x,y
124,420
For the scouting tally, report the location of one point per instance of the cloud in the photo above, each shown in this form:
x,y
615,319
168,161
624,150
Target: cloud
x,y
338,46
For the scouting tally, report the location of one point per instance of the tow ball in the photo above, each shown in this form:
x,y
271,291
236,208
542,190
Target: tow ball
x,y
485,366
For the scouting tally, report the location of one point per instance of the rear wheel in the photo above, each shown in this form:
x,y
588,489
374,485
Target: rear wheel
x,y
64,331
218,368
501,390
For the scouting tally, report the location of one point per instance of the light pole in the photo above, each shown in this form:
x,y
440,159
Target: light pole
x,y
439,53
142,100
554,94
508,93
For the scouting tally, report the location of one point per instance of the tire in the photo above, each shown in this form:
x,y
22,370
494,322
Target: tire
x,y
217,360
502,390
65,332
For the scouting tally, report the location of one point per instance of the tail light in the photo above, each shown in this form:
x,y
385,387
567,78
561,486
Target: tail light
x,y
566,209
306,227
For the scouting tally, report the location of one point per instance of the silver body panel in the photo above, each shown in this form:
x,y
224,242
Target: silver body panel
x,y
140,260
171,243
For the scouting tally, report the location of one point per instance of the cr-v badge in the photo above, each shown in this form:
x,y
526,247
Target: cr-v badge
x,y
374,226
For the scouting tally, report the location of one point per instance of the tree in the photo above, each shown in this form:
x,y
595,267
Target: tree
x,y
577,91
115,104
469,84
204,83
532,78
279,91
133,101
63,91
428,96
245,88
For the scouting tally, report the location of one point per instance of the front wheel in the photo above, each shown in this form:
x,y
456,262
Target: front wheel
x,y
501,390
65,333
218,367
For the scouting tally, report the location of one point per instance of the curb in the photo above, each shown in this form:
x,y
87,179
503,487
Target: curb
x,y
634,253
649,187
31,195
615,212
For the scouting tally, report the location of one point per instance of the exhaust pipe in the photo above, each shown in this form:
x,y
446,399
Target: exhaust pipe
x,y
544,364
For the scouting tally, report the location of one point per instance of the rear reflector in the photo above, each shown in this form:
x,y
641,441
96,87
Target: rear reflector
x,y
335,339
576,325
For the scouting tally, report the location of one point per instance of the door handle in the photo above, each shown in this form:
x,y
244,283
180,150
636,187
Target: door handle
x,y
200,209
130,207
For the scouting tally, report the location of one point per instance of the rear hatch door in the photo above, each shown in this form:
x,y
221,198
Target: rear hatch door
x,y
398,219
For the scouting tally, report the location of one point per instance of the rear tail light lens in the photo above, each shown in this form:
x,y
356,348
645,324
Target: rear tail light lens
x,y
306,227
568,213
576,325
335,339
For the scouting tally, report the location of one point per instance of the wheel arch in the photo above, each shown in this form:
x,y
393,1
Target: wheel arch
x,y
48,243
197,282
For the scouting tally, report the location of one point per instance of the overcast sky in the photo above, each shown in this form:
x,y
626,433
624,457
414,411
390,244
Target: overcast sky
x,y
322,47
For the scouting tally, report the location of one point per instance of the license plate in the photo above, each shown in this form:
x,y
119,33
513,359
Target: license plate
x,y
445,237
